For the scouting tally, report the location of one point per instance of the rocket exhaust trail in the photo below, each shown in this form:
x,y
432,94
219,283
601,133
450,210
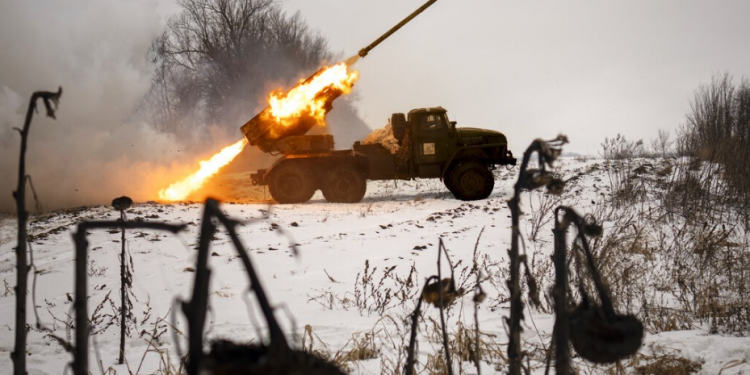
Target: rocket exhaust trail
x,y
181,189
352,60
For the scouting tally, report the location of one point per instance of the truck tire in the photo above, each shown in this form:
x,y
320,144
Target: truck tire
x,y
291,182
447,182
344,184
470,181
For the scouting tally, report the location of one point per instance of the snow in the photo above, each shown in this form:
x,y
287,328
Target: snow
x,y
398,224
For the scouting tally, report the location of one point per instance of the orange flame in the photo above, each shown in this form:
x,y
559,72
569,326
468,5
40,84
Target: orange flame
x,y
286,108
182,189
303,99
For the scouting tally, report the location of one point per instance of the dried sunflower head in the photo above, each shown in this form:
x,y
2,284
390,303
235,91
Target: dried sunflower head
x,y
599,340
479,295
555,186
590,227
550,150
431,292
227,358
122,203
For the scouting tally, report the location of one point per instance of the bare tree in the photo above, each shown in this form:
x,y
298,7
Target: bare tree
x,y
619,148
216,53
662,144
218,59
717,129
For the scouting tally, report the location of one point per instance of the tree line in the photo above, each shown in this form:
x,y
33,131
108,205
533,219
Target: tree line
x,y
217,60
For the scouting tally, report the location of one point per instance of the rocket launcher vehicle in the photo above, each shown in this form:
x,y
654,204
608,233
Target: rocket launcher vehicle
x,y
271,136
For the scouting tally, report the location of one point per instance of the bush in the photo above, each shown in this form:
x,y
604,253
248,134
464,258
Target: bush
x,y
717,130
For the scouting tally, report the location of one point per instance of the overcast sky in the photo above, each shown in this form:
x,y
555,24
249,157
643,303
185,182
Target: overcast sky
x,y
527,68
589,69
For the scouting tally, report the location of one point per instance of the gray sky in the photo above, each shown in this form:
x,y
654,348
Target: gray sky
x,y
589,69
530,69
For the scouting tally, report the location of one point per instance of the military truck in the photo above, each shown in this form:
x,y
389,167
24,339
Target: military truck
x,y
430,146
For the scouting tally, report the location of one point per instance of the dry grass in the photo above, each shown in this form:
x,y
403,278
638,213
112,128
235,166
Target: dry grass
x,y
435,364
668,365
312,344
663,362
375,292
660,361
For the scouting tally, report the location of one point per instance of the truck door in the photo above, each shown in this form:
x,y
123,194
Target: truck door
x,y
430,140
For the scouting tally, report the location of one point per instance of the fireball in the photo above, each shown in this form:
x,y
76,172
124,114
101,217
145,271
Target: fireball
x,y
305,98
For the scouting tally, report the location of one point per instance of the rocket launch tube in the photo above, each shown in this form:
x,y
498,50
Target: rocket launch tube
x,y
264,132
364,51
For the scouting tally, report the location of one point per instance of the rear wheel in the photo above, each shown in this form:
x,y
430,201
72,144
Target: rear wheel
x,y
344,184
470,181
291,182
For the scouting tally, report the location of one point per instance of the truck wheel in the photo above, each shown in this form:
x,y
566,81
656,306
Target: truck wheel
x,y
344,184
447,180
470,181
291,183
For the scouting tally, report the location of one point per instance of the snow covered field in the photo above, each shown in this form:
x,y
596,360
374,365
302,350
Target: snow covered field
x,y
349,283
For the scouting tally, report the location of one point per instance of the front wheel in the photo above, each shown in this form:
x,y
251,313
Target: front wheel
x,y
344,184
291,182
470,181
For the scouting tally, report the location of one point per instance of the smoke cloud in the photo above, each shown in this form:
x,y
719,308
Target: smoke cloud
x,y
102,145
95,50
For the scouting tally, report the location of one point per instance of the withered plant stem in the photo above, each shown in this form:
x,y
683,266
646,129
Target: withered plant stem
x,y
18,355
477,343
601,287
123,293
549,352
409,367
559,293
546,153
195,309
441,248
80,360
516,304
278,340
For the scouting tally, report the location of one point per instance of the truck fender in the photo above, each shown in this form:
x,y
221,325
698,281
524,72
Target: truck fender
x,y
261,176
355,159
321,164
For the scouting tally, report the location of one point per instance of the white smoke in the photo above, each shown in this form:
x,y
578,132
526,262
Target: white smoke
x,y
95,50
100,146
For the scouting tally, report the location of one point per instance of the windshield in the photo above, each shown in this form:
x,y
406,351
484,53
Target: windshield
x,y
434,121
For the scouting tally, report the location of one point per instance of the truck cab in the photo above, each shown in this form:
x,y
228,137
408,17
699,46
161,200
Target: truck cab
x,y
462,157
431,138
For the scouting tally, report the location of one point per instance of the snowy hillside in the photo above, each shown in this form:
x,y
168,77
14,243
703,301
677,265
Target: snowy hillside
x,y
354,282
